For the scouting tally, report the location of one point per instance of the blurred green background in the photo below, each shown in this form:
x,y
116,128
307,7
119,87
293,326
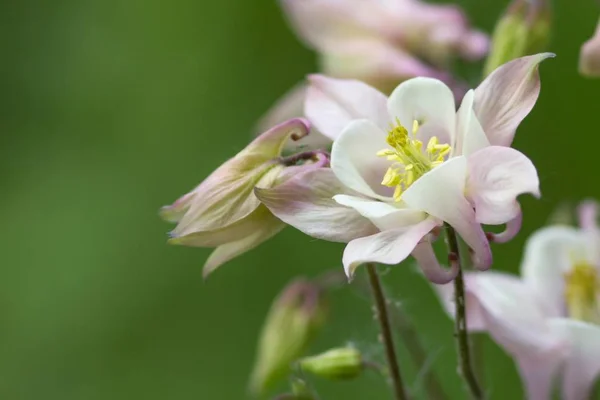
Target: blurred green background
x,y
111,109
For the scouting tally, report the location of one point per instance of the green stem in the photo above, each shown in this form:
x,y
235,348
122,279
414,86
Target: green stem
x,y
386,333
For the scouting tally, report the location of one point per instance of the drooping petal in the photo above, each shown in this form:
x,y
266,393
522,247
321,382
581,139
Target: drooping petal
x,y
333,103
228,251
306,202
470,136
506,96
388,247
549,254
582,365
430,265
497,175
512,228
589,56
354,158
440,193
426,100
383,215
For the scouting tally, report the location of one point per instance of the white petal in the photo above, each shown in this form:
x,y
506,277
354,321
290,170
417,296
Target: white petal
x,y
430,265
333,103
549,254
582,365
354,158
506,96
497,175
475,321
388,247
440,193
470,136
306,203
383,215
428,101
228,251
538,373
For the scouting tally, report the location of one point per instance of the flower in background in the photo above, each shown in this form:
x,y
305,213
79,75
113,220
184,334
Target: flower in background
x,y
549,319
223,211
410,163
589,57
381,42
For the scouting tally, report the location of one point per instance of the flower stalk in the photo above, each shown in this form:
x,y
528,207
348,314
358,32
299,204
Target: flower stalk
x,y
386,333
460,322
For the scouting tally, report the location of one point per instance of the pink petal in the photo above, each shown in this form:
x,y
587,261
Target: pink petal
x,y
387,247
512,229
470,136
538,373
475,321
430,265
306,203
506,96
354,158
589,56
440,193
582,365
588,215
331,104
497,175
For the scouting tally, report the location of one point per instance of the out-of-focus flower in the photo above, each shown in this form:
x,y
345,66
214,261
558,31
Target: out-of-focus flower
x,y
335,364
381,42
413,163
549,319
589,57
223,211
523,29
294,319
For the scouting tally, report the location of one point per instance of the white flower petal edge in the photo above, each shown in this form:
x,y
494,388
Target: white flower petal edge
x,y
306,203
388,247
582,365
470,134
332,103
548,256
506,96
497,175
449,179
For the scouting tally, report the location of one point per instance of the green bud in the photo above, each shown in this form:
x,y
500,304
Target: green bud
x,y
294,319
524,29
301,390
336,364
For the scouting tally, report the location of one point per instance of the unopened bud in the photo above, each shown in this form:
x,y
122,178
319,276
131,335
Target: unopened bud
x,y
294,319
589,56
336,364
524,29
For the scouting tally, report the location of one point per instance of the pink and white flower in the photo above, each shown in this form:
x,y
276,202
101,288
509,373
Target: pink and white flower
x,y
411,163
549,318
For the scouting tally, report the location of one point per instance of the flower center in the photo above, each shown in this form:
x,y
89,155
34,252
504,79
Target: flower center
x,y
410,162
582,293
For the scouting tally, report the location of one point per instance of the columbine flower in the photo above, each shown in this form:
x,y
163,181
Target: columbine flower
x,y
549,319
414,163
223,211
380,42
589,57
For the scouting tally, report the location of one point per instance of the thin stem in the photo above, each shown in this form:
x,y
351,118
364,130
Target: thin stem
x,y
386,333
460,325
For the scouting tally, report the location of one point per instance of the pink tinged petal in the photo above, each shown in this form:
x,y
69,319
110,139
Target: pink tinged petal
x,y
506,96
176,211
538,373
549,254
388,247
354,158
426,100
589,56
306,202
475,321
470,134
383,215
333,103
512,229
228,251
440,193
497,175
430,265
582,364
588,215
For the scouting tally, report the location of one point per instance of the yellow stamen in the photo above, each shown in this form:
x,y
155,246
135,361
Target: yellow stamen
x,y
582,293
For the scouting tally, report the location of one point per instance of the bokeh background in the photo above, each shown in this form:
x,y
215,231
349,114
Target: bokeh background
x,y
111,109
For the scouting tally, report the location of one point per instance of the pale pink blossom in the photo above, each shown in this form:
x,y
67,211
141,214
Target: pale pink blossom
x,y
589,56
549,318
409,163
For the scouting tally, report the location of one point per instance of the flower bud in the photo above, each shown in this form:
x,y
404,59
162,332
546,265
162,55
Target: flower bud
x,y
336,364
294,319
524,29
223,211
589,56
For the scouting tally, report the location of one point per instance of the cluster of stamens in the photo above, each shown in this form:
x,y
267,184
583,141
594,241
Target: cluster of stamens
x,y
582,292
410,161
